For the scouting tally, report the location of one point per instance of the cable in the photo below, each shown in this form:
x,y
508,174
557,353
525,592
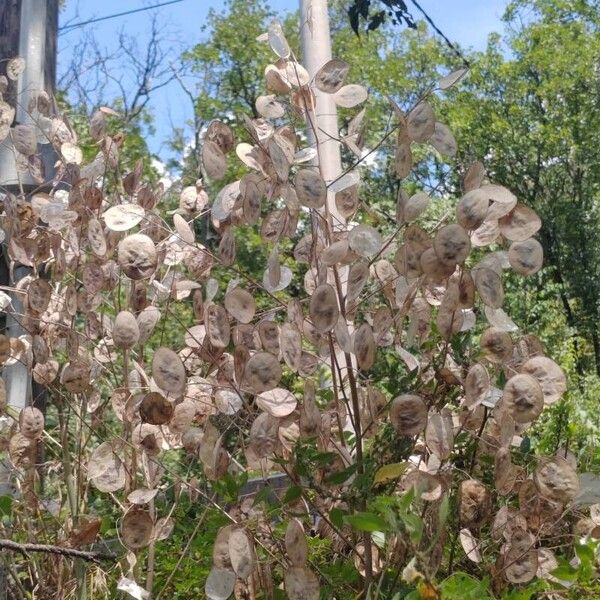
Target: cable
x,y
68,28
441,34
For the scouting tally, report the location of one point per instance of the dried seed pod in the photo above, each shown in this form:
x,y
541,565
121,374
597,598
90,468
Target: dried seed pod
x,y
472,209
323,308
264,435
439,434
241,553
301,583
136,529
549,375
156,409
489,287
31,422
420,122
556,479
520,223
408,414
218,331
365,240
123,217
262,372
475,503
168,371
443,140
310,188
364,346
126,332
137,256
240,305
278,402
497,345
523,398
350,95
452,244
219,584
526,258
295,543
330,77
213,159
477,385
39,294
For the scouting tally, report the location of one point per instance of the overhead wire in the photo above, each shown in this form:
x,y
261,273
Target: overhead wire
x,y
441,33
68,28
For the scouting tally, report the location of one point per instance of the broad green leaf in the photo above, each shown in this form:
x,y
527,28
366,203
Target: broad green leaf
x,y
391,471
366,522
460,586
5,505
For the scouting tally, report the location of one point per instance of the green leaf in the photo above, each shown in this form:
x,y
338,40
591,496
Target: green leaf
x,y
391,471
341,476
564,571
336,516
585,553
366,521
460,586
414,526
292,494
5,505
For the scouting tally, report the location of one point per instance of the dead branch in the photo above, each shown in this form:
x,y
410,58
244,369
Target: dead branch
x,y
91,556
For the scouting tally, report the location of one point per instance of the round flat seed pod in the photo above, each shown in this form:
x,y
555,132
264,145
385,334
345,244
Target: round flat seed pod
x,y
264,435
496,317
470,546
123,216
403,160
472,209
452,78
310,188
95,234
156,409
357,279
218,331
487,233
39,293
421,122
549,375
295,543
268,107
126,332
323,308
477,385
136,529
330,77
335,253
227,248
277,402
219,584
411,208
497,345
346,201
489,287
475,503
556,479
408,414
520,223
220,552
75,376
439,434
147,320
24,139
350,95
452,244
31,422
502,199
136,255
435,269
262,372
240,304
221,134
474,176
449,321
526,258
168,371
443,140
228,402
241,553
213,159
113,479
521,567
301,584
364,346
523,398
365,240
268,332
277,40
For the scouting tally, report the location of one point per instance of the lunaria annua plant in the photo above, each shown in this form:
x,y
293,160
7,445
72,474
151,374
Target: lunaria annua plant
x,y
269,379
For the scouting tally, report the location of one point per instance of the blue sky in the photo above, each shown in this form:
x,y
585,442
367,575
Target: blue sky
x,y
467,22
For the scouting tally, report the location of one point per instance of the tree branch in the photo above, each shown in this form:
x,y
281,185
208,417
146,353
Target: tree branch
x,y
95,557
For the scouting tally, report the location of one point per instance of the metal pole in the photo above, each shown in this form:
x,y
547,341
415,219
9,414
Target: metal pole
x,y
316,51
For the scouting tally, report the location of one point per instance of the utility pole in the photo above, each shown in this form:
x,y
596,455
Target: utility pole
x,y
316,51
28,28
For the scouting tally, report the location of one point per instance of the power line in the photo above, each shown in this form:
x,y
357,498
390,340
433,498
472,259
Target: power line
x,y
441,33
68,28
